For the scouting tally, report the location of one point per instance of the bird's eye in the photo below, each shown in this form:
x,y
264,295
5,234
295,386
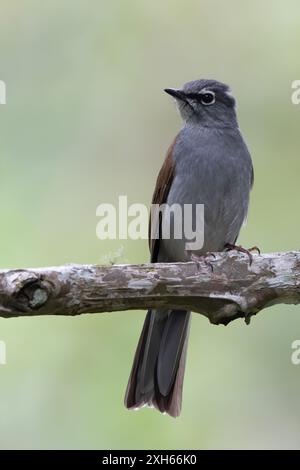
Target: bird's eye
x,y
207,98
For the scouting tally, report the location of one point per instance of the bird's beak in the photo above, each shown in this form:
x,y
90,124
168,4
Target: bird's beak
x,y
178,94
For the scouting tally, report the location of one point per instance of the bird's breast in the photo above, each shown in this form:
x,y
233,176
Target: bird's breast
x,y
211,186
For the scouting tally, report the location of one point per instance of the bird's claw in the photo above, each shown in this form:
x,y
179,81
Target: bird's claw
x,y
196,259
229,247
254,248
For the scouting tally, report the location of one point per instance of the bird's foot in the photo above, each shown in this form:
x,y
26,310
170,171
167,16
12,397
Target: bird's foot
x,y
248,252
198,258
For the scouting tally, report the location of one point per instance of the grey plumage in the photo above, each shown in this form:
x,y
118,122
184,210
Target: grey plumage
x,y
211,166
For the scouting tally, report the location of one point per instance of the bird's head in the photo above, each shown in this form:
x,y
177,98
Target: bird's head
x,y
207,102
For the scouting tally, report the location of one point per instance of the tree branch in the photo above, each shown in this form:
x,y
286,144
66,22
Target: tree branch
x,y
222,288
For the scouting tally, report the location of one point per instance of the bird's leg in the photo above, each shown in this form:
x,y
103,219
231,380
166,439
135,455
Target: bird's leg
x,y
198,258
248,252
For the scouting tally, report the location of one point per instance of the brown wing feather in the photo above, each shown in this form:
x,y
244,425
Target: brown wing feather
x,y
160,195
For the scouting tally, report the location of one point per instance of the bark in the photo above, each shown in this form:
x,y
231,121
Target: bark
x,y
222,288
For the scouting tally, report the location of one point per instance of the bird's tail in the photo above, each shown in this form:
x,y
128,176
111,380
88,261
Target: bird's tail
x,y
157,372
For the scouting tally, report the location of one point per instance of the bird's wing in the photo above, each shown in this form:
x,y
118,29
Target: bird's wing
x,y
160,196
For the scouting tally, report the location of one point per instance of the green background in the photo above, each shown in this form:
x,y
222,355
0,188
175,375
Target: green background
x,y
85,121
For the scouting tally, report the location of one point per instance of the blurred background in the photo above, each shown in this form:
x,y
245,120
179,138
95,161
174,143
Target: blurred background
x,y
85,121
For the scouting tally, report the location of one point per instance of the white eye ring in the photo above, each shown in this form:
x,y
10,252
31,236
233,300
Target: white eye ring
x,y
207,98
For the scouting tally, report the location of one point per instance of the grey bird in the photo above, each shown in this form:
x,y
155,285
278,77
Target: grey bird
x,y
208,163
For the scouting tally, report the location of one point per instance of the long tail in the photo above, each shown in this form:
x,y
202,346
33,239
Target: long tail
x,y
157,373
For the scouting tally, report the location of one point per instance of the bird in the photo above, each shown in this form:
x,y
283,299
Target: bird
x,y
207,163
